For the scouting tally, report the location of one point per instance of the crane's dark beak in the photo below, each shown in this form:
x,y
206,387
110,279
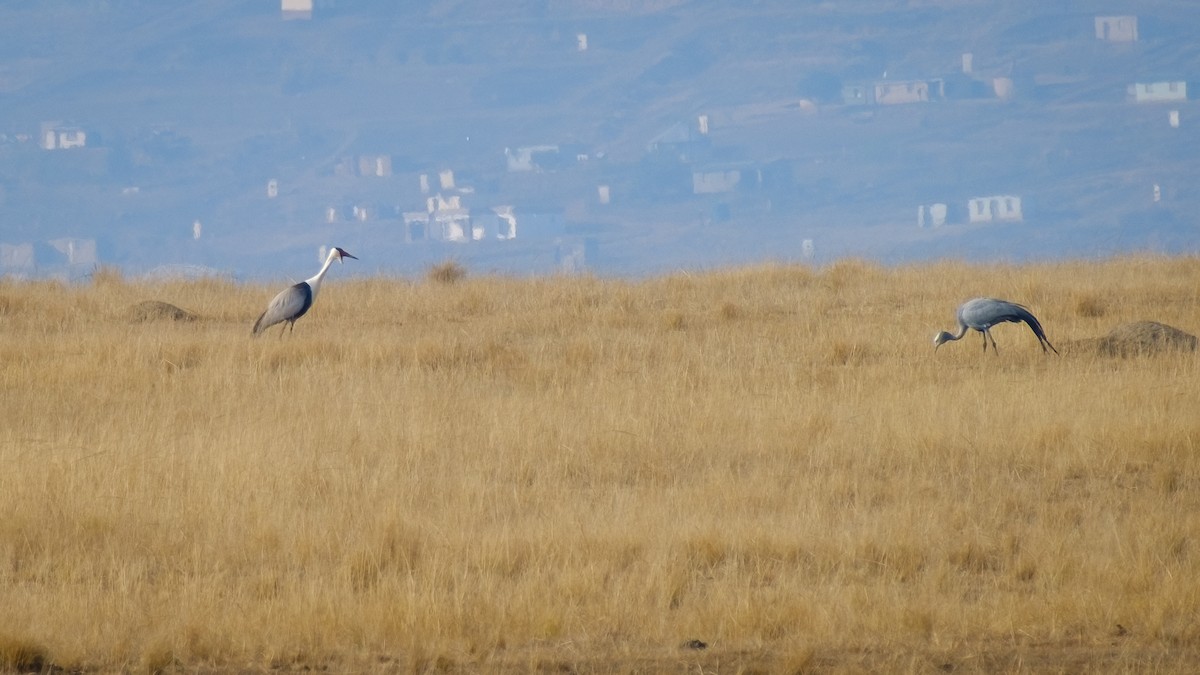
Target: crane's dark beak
x,y
343,254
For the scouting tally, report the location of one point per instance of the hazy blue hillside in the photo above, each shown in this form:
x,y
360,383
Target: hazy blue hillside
x,y
191,110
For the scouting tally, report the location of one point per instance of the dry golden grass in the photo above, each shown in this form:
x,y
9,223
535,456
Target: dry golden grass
x,y
447,272
582,475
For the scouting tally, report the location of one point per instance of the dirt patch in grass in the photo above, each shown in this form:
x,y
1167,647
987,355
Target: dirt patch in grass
x,y
1140,338
157,310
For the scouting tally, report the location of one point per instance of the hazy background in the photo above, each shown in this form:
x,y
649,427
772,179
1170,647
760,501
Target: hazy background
x,y
628,137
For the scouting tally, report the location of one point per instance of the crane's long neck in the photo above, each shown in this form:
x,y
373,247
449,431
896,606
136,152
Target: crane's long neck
x,y
945,336
314,282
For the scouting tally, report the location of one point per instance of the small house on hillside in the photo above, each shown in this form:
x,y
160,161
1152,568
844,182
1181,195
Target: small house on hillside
x,y
1155,92
893,92
1117,28
529,158
375,165
998,207
452,225
444,219
911,91
505,224
296,9
57,136
16,259
65,257
75,251
932,215
1003,87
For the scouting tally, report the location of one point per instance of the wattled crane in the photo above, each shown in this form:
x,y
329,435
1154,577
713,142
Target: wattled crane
x,y
295,300
982,313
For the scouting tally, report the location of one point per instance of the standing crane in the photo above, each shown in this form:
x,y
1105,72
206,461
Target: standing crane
x,y
982,313
295,300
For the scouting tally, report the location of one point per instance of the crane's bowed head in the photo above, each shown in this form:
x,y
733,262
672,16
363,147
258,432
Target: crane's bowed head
x,y
341,253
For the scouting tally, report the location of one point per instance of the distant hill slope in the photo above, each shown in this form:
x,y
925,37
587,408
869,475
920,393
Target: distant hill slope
x,y
191,109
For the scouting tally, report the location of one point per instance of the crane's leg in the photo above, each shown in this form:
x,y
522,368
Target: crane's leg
x,y
984,334
995,349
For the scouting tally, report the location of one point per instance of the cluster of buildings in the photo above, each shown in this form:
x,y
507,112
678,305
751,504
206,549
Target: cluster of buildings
x,y
444,212
65,258
1005,207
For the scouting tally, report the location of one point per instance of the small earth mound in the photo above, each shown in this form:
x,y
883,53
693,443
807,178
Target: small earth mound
x,y
156,310
1141,338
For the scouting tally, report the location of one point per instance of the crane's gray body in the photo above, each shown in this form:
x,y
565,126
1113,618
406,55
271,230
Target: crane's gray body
x,y
981,314
291,304
295,300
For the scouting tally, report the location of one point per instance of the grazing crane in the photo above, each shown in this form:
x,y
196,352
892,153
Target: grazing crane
x,y
295,300
982,313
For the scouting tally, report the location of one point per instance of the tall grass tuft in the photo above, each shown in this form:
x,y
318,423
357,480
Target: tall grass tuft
x,y
23,655
1090,305
447,272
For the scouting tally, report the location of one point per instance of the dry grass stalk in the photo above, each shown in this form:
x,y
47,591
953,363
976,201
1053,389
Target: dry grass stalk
x,y
579,474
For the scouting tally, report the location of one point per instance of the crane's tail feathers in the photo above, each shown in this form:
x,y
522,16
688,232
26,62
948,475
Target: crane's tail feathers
x,y
258,327
1036,326
1050,346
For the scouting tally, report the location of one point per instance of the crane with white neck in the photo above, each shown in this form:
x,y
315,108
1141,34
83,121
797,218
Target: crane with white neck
x,y
293,301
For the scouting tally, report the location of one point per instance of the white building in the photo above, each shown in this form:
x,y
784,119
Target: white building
x,y
999,207
506,222
57,136
933,215
525,159
76,251
16,259
375,165
297,9
1117,28
1154,92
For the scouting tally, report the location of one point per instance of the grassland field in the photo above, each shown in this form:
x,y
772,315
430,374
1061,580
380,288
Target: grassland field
x,y
763,469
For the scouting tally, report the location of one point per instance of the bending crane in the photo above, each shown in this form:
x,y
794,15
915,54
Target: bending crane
x,y
981,314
